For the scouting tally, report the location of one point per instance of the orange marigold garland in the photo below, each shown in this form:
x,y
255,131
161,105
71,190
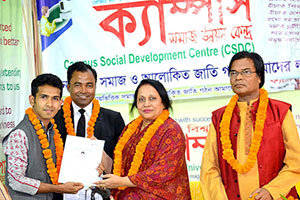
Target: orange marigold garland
x,y
289,198
228,153
53,170
68,119
141,146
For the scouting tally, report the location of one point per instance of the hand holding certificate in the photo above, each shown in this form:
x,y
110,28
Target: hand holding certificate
x,y
80,160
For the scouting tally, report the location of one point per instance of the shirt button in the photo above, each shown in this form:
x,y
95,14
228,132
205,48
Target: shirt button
x,y
238,196
235,134
238,121
235,181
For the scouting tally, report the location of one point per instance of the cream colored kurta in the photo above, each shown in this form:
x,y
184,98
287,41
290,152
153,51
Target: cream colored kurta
x,y
210,175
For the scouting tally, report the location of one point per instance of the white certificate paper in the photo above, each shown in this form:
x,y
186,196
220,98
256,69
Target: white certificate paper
x,y
80,159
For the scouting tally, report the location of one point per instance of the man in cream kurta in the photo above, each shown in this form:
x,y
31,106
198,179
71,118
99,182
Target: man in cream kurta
x,y
246,77
248,182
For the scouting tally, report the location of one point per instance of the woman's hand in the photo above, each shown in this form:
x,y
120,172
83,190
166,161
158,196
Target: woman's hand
x,y
112,181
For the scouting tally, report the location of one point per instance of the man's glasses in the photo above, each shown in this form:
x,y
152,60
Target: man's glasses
x,y
244,73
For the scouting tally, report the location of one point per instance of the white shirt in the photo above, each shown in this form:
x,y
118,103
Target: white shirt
x,y
87,114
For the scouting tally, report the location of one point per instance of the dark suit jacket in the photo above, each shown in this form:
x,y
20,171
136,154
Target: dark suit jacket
x,y
108,127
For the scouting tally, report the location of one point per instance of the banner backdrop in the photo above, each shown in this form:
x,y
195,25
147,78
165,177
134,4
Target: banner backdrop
x,y
15,73
184,44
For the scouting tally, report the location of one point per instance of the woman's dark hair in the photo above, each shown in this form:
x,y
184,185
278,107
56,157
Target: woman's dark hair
x,y
258,63
159,88
81,67
46,79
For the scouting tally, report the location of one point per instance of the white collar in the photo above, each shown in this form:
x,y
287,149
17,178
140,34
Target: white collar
x,y
88,109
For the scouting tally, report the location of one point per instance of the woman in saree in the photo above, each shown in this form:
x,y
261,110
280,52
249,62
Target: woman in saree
x,y
149,158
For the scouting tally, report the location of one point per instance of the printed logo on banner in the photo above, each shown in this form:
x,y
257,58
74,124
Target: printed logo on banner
x,y
55,18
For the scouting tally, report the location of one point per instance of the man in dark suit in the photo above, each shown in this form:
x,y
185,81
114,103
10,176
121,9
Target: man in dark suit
x,y
82,113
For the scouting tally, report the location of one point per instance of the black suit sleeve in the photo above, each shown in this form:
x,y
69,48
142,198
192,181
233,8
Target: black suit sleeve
x,y
109,127
118,130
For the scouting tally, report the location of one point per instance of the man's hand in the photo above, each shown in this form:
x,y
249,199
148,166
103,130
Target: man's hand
x,y
71,187
100,168
68,187
93,138
262,194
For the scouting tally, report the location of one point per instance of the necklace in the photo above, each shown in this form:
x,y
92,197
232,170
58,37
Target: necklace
x,y
52,170
141,146
68,119
257,134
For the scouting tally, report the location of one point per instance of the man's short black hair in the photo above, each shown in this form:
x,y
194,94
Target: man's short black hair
x,y
81,67
46,79
258,63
